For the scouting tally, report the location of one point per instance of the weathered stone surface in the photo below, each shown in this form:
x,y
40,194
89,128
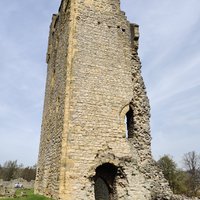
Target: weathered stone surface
x,y
93,84
11,184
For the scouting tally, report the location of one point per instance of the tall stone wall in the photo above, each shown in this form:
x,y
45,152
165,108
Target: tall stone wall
x,y
49,162
93,86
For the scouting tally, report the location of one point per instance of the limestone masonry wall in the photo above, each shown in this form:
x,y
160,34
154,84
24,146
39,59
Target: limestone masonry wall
x,y
95,138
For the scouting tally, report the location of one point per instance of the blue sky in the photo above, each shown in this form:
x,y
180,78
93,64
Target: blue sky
x,y
170,55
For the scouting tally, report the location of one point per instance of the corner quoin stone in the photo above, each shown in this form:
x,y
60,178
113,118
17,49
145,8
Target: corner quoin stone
x,y
95,137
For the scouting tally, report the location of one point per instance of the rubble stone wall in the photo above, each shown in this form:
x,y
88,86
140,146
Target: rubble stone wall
x,y
8,189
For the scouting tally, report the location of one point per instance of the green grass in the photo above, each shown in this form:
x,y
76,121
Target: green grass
x,y
30,196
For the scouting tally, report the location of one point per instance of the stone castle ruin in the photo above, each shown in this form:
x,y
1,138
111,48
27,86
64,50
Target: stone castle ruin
x,y
95,140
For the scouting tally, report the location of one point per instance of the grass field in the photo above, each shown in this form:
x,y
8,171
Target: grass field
x,y
29,196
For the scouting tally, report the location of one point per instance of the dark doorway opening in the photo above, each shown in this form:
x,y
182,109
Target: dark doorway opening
x,y
105,187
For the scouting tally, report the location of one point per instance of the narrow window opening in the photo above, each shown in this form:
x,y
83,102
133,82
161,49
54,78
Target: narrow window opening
x,y
105,187
134,28
129,122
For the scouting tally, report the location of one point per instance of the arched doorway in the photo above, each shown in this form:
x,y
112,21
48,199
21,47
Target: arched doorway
x,y
104,187
101,190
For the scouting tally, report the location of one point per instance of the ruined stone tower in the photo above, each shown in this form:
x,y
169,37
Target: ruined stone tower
x,y
95,140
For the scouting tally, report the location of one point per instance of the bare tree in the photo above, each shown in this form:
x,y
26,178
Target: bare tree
x,y
191,162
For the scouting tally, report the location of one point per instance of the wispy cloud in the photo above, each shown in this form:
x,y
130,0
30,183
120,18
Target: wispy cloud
x,y
23,42
170,53
169,50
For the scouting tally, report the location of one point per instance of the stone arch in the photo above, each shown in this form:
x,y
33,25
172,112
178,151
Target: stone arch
x,y
123,111
105,177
